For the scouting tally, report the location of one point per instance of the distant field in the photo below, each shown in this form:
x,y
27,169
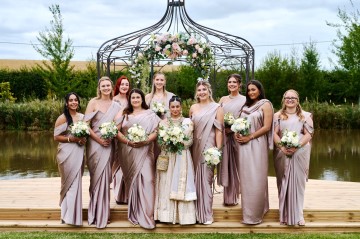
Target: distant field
x,y
79,65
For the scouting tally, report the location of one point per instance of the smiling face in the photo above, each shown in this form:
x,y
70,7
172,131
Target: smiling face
x,y
73,102
135,100
233,85
291,99
159,81
253,92
202,93
124,86
105,87
175,109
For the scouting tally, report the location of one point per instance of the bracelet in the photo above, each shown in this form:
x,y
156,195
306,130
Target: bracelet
x,y
68,139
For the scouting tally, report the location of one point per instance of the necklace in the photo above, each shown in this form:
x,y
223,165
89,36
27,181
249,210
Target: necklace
x,y
233,97
290,113
177,120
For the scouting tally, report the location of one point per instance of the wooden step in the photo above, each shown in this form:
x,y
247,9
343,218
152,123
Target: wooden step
x,y
220,214
216,227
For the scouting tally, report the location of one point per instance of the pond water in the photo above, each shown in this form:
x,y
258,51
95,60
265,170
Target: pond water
x,y
335,155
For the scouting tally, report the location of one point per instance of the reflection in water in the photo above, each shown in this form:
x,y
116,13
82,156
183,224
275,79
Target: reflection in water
x,y
335,155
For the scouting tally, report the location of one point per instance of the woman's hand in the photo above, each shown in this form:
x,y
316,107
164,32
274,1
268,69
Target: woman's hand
x,y
80,141
138,144
242,139
104,142
288,151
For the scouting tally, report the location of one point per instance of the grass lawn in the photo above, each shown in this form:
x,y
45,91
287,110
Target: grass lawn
x,y
62,235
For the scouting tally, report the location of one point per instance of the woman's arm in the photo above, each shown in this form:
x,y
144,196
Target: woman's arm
x,y
268,121
218,132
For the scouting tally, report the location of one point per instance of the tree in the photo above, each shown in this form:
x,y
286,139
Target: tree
x,y
311,85
348,50
58,51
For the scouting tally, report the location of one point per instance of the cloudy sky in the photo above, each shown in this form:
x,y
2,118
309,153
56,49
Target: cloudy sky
x,y
282,25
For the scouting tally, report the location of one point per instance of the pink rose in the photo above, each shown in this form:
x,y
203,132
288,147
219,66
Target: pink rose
x,y
194,55
200,50
197,46
158,48
185,52
191,41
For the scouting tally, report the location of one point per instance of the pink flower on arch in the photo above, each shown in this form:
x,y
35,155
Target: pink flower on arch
x,y
200,50
185,52
194,55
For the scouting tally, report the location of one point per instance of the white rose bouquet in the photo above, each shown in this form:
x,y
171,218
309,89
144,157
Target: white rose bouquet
x,y
172,138
290,139
212,156
136,133
229,119
108,130
158,108
241,126
80,129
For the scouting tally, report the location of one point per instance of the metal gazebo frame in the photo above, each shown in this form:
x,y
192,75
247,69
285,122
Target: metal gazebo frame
x,y
228,50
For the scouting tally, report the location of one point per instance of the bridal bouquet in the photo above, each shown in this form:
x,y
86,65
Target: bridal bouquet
x,y
80,129
229,119
172,138
136,133
158,108
108,130
241,126
212,156
289,139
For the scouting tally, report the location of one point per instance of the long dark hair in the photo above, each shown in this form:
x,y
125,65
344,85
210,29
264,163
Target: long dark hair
x,y
260,87
66,109
129,109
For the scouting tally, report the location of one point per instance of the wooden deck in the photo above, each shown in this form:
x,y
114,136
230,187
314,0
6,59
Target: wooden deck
x,y
32,205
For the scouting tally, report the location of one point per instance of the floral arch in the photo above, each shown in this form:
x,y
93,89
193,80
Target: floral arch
x,y
175,38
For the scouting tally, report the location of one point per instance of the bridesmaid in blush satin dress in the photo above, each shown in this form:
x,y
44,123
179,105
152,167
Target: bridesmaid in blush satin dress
x,y
137,160
253,150
101,109
159,93
70,158
229,167
121,94
292,164
208,118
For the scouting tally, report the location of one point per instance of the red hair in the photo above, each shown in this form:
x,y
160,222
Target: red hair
x,y
118,83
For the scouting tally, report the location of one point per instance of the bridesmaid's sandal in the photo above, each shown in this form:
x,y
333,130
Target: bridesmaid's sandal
x,y
301,223
208,222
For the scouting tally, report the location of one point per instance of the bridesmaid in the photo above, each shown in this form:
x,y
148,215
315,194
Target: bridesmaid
x,y
175,187
229,170
292,164
121,93
158,92
137,160
70,158
208,118
100,109
253,154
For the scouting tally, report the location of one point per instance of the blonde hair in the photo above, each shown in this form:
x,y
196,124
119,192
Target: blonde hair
x,y
207,85
282,111
98,92
153,88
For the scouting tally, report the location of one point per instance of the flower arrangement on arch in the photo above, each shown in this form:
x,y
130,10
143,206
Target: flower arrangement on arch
x,y
165,45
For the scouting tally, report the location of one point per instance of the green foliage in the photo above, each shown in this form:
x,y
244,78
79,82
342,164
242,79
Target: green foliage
x,y
347,48
5,93
59,52
331,116
33,115
24,83
106,235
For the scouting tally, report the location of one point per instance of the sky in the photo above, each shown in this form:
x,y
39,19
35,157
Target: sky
x,y
279,25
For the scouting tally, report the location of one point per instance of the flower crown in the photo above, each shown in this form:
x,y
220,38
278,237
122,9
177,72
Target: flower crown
x,y
199,79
